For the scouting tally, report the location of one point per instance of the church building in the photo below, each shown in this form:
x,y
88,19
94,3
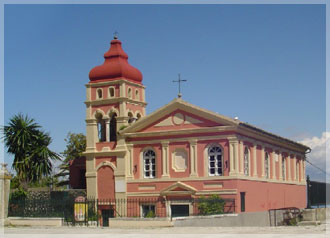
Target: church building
x,y
181,150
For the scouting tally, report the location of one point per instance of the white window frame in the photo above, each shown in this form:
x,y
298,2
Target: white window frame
x,y
150,170
267,175
246,161
216,160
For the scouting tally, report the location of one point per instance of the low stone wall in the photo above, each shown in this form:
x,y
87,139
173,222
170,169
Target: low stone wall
x,y
225,220
44,221
139,222
316,214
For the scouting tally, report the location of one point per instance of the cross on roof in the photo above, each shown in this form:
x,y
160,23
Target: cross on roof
x,y
115,35
179,82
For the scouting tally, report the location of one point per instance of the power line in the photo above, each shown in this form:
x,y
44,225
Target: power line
x,y
317,167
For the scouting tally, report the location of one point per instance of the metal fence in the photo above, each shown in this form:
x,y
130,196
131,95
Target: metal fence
x,y
318,193
90,211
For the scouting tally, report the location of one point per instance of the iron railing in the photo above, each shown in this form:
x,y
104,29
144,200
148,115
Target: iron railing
x,y
97,211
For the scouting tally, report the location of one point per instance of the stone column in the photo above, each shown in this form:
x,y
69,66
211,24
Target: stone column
x,y
241,157
165,159
280,172
107,129
193,158
4,193
273,165
254,154
262,161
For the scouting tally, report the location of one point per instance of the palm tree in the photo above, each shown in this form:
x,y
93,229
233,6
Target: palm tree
x,y
24,139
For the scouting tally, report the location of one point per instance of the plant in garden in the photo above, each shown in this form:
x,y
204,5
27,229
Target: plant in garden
x,y
150,214
211,205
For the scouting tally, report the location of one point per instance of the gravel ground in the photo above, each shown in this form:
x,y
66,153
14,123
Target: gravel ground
x,y
173,232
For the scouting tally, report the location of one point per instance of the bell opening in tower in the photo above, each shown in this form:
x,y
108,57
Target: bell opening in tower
x,y
113,127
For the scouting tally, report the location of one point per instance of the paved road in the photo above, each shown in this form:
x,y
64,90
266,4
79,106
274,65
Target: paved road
x,y
172,232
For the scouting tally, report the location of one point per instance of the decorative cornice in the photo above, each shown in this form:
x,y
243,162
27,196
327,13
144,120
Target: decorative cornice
x,y
179,132
236,177
105,153
113,82
105,101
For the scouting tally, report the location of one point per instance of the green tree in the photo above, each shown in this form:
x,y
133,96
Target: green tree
x,y
24,139
75,146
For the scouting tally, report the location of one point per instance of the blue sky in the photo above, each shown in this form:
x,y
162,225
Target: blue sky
x,y
262,63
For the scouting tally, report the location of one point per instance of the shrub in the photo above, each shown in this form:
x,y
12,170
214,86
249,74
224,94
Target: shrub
x,y
211,205
19,194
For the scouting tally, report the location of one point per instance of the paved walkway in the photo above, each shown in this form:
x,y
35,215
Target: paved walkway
x,y
172,232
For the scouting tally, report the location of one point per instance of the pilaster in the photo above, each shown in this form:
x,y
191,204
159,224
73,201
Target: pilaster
x,y
233,156
193,158
129,162
280,172
254,154
91,178
165,159
91,135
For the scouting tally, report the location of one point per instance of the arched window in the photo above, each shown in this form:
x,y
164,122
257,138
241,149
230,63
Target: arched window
x,y
99,93
137,95
215,161
138,116
111,92
101,128
130,117
267,165
283,168
113,127
149,164
246,161
129,93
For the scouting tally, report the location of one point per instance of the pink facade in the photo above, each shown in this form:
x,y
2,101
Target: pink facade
x,y
182,151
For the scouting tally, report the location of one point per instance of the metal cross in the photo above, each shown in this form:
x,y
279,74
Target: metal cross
x,y
115,35
179,82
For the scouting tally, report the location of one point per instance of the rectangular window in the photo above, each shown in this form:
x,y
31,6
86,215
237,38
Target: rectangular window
x,y
148,210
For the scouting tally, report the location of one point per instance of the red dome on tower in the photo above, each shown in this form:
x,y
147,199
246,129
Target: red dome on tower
x,y
115,66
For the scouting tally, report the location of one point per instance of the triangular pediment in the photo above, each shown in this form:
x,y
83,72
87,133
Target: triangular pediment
x,y
178,115
178,188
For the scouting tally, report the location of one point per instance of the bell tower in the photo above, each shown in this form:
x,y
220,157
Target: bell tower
x,y
115,94
115,100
